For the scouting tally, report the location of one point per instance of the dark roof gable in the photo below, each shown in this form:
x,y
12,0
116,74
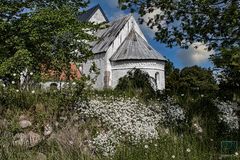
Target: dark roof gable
x,y
85,16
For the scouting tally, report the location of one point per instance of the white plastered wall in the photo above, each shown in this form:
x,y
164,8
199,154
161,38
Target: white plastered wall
x,y
119,69
99,60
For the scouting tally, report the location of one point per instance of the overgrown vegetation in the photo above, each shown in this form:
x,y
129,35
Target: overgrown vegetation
x,y
188,120
111,125
136,83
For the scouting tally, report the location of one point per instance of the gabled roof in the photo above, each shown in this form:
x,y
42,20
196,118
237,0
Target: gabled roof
x,y
108,35
136,48
86,16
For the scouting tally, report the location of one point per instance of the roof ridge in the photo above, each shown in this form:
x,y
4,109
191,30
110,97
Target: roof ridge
x,y
122,17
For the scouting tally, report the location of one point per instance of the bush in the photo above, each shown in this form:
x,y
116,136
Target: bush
x,y
136,83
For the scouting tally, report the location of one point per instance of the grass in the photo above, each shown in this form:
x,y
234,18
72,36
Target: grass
x,y
47,107
187,147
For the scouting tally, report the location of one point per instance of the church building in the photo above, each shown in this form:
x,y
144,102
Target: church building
x,y
121,46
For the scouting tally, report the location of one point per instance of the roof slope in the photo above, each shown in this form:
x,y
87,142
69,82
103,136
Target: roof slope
x,y
136,48
86,16
108,35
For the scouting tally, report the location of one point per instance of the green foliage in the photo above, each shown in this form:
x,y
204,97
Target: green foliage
x,y
47,36
211,22
11,10
20,59
197,21
136,82
56,100
164,148
61,103
169,147
228,61
169,68
199,111
191,81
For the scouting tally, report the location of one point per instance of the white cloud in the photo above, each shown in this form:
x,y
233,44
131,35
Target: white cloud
x,y
188,57
194,56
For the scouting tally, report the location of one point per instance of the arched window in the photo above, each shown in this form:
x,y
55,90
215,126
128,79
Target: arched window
x,y
157,79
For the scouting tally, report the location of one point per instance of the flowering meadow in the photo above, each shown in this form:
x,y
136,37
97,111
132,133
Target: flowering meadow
x,y
127,120
80,123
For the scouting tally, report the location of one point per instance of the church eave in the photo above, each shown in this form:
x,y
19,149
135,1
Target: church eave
x,y
135,59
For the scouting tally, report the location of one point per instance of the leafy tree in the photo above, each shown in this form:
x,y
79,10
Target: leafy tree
x,y
136,82
183,22
229,78
42,35
169,68
172,81
197,78
191,81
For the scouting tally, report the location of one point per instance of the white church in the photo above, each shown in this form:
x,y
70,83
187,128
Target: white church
x,y
121,47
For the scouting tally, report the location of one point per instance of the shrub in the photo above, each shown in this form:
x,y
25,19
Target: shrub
x,y
136,83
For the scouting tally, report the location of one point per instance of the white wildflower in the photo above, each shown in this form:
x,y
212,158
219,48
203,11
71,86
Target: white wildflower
x,y
198,128
228,115
31,73
14,74
188,150
71,142
236,154
17,90
173,156
146,146
174,113
127,119
105,143
33,91
13,82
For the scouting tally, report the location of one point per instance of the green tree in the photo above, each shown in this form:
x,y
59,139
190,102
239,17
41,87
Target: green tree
x,y
40,35
172,81
229,78
136,82
192,81
197,78
182,22
212,22
169,68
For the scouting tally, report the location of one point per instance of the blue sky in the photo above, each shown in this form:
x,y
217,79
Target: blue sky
x,y
179,57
